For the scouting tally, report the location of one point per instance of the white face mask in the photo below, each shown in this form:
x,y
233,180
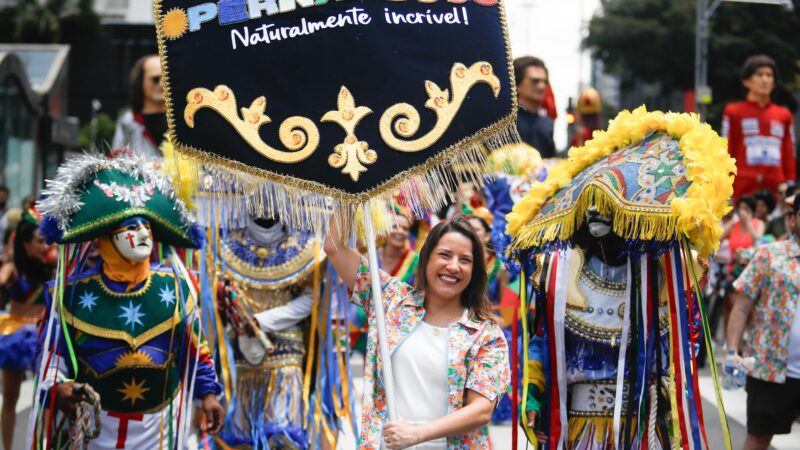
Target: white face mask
x,y
133,239
599,226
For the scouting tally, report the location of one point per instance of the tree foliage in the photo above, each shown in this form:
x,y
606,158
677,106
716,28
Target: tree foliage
x,y
653,40
49,22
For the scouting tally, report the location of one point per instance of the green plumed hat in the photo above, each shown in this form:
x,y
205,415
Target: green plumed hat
x,y
92,193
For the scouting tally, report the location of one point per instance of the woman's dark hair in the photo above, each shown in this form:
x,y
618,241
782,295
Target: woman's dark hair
x,y
33,269
474,296
765,195
747,200
136,89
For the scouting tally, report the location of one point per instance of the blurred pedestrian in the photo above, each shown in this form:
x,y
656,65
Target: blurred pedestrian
x,y
760,133
765,204
534,125
747,229
778,225
143,127
588,116
3,209
24,279
769,286
3,199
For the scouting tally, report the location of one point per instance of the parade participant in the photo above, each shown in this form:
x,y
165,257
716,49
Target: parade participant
x,y
143,127
126,330
481,222
593,329
396,256
768,288
449,357
266,272
25,277
588,111
760,133
534,125
609,239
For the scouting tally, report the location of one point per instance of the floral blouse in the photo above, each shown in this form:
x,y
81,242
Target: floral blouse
x,y
477,358
772,280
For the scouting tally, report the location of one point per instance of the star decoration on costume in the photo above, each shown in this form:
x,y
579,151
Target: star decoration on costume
x,y
167,296
131,314
133,391
88,300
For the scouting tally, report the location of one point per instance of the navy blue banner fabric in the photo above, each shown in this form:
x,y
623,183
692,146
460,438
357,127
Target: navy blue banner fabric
x,y
338,97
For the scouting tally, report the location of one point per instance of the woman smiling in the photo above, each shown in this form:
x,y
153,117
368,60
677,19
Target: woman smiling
x,y
449,358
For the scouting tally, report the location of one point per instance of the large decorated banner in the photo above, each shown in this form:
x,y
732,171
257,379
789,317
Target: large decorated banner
x,y
349,99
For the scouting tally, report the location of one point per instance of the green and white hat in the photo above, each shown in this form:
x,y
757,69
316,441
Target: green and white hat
x,y
92,193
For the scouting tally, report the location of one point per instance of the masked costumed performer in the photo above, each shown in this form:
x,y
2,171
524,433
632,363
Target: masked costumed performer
x,y
126,328
265,272
610,238
450,358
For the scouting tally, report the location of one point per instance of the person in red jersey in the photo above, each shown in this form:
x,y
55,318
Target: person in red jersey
x,y
760,134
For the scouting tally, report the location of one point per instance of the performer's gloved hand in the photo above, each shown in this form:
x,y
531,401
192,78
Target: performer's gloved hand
x,y
68,396
214,414
400,434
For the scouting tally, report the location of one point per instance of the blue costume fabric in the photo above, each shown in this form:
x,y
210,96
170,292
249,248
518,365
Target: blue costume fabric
x,y
18,334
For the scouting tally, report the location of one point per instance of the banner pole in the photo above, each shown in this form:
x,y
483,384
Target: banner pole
x,y
380,318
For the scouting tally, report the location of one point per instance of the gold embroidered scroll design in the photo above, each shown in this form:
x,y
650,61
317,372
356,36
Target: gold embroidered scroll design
x,y
404,119
298,134
351,154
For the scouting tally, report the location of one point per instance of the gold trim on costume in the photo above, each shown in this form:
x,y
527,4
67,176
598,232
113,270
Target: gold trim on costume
x,y
139,339
576,298
267,274
108,220
10,323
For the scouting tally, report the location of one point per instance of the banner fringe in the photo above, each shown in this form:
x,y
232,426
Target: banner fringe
x,y
433,187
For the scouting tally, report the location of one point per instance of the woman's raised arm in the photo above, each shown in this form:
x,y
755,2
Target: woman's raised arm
x,y
344,258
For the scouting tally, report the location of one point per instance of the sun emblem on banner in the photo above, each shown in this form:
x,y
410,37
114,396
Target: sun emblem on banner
x,y
175,23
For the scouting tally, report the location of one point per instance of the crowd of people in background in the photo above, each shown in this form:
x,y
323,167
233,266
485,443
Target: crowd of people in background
x,y
760,136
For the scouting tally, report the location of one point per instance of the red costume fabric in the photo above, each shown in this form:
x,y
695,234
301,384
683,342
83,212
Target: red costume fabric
x,y
762,141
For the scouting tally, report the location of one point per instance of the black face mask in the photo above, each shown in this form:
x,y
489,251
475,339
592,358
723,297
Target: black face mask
x,y
609,248
3,204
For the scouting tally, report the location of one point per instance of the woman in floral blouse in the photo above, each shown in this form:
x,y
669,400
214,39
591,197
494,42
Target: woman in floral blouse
x,y
449,358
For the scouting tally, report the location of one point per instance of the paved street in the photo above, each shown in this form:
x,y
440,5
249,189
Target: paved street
x,y
501,435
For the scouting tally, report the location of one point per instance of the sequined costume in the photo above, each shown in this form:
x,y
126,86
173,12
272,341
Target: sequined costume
x,y
633,208
595,295
133,348
269,272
